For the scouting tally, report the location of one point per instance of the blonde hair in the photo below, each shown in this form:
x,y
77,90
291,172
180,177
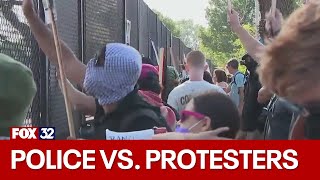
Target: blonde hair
x,y
196,58
292,60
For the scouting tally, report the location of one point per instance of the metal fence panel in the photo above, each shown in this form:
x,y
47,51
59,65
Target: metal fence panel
x,y
159,33
176,51
169,60
143,29
17,41
153,36
181,51
132,7
104,24
68,27
163,36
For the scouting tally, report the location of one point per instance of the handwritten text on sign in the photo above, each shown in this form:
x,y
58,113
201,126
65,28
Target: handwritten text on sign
x,y
136,135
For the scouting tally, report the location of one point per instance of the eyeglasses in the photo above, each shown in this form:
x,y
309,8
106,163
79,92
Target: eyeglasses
x,y
186,114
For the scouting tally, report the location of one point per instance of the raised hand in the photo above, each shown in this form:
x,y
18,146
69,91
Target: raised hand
x,y
28,7
274,23
234,19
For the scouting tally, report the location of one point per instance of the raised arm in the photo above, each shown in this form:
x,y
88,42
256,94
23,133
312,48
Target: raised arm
x,y
252,45
80,101
75,70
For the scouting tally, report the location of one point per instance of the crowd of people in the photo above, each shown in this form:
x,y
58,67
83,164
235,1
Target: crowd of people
x,y
277,98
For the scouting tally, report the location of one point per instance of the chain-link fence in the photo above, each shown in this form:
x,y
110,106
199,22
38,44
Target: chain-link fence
x,y
17,41
86,26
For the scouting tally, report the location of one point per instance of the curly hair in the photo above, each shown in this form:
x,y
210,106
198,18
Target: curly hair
x,y
292,60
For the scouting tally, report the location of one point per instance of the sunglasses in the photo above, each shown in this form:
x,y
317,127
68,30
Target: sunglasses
x,y
186,114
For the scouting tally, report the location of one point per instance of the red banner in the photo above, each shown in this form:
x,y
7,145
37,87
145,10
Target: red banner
x,y
163,159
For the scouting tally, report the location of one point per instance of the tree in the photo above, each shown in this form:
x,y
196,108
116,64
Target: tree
x,y
218,42
189,33
186,30
169,23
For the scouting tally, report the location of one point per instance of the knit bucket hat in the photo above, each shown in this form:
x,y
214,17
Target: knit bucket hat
x,y
117,78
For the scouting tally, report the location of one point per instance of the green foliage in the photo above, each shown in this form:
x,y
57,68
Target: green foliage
x,y
186,30
218,41
169,23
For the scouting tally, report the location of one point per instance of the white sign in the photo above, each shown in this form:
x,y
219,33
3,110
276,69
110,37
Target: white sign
x,y
135,135
128,32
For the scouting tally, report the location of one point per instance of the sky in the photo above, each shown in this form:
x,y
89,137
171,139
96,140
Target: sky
x,y
181,9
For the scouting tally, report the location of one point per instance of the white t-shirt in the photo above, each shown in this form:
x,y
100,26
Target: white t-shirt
x,y
182,94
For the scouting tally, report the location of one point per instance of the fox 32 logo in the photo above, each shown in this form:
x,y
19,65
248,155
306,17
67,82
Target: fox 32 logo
x,y
33,133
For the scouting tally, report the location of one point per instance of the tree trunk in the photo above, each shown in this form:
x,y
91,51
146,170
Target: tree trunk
x,y
286,7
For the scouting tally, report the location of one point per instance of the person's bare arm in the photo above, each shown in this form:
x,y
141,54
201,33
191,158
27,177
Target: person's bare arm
x,y
74,69
80,101
210,135
252,45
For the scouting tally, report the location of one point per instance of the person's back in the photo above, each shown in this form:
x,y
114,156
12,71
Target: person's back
x,y
196,66
279,120
182,94
17,91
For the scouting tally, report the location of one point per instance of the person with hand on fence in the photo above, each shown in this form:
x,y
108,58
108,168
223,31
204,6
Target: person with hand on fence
x,y
109,80
182,94
17,91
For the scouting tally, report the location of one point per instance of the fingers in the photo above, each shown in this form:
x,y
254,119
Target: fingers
x,y
218,131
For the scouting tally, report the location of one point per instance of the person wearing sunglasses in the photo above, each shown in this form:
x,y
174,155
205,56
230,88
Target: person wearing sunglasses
x,y
210,111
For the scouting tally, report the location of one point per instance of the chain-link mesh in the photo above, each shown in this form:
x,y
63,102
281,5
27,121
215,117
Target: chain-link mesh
x,y
17,41
104,21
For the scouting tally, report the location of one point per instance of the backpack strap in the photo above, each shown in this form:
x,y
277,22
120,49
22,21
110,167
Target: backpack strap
x,y
143,112
234,78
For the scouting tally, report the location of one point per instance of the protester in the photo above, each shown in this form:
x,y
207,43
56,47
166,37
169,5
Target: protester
x,y
236,86
172,81
251,128
182,94
290,66
150,89
17,91
110,79
220,79
207,77
208,112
